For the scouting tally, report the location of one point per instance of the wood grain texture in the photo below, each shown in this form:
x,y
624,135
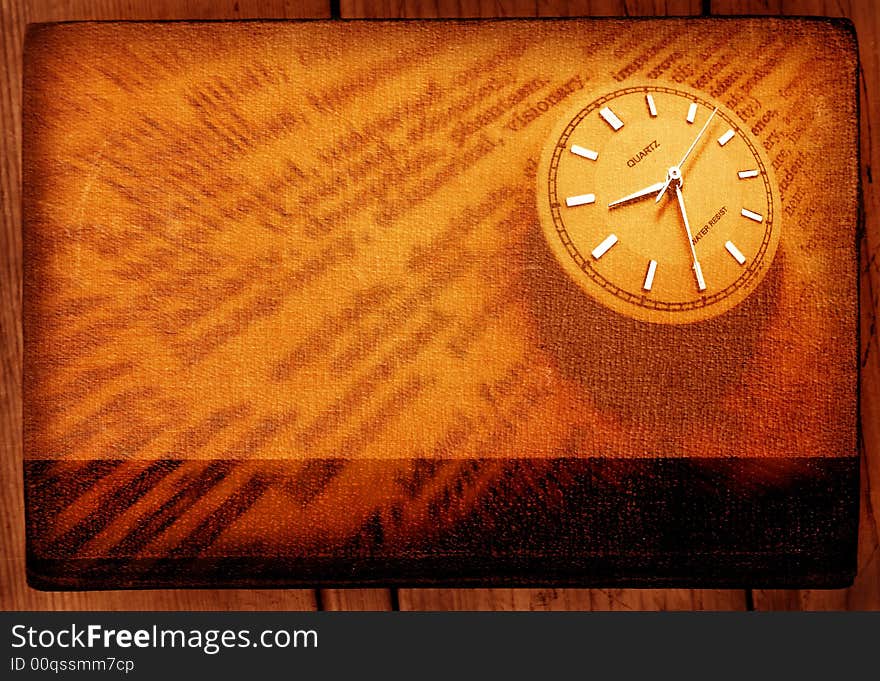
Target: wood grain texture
x,y
865,593
572,599
356,599
429,9
14,594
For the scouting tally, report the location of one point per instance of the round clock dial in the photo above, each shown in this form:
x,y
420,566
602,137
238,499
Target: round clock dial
x,y
659,204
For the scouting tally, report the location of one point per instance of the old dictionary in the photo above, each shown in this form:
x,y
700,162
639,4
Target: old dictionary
x,y
290,316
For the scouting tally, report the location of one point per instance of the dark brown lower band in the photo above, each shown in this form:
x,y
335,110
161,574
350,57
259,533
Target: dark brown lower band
x,y
489,522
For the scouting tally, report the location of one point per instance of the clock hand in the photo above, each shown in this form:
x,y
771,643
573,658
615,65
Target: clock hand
x,y
697,138
687,153
701,284
647,191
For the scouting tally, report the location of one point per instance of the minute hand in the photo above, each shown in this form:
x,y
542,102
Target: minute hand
x,y
688,152
698,272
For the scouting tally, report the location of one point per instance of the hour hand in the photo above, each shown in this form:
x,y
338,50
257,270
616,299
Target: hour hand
x,y
642,193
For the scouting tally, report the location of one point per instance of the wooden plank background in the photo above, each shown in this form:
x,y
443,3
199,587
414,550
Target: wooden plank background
x,y
15,594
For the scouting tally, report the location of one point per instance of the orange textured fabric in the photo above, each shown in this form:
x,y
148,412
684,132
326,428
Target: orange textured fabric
x,y
290,318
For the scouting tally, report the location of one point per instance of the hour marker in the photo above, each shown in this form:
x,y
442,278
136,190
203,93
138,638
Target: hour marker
x,y
649,277
611,118
726,137
602,248
746,174
581,200
752,216
735,252
652,108
692,112
584,152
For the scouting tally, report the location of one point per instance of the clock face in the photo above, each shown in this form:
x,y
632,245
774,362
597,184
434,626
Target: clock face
x,y
659,204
